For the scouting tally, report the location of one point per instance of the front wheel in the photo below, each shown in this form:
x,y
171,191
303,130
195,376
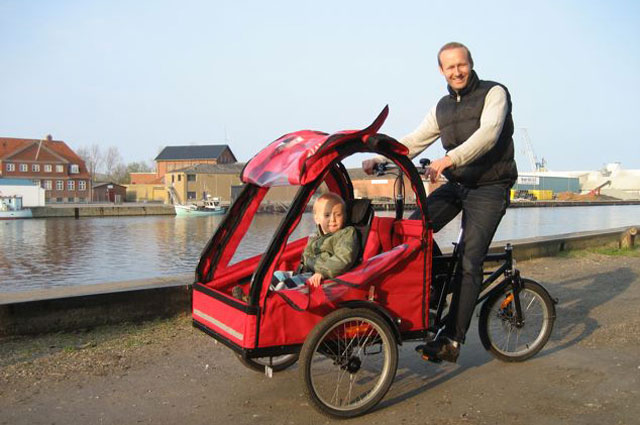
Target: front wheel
x,y
348,362
499,331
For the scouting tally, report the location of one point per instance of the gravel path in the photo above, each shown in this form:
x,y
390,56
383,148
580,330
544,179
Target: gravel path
x,y
166,372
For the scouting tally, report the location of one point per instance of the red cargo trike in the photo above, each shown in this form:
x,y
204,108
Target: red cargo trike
x,y
346,331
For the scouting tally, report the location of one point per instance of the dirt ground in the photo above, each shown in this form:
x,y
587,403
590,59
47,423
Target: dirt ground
x,y
166,372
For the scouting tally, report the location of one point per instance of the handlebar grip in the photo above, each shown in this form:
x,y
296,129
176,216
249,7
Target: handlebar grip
x,y
380,169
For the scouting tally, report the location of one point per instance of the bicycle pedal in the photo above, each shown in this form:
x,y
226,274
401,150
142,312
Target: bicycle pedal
x,y
431,359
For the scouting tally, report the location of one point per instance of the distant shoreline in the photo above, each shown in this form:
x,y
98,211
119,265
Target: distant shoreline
x,y
125,210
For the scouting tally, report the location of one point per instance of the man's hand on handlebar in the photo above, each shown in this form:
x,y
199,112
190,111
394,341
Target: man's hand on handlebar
x,y
369,165
437,167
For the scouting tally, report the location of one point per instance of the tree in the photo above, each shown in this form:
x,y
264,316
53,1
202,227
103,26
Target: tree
x,y
92,157
112,160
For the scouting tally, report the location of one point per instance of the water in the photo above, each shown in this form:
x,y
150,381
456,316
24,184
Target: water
x,y
42,253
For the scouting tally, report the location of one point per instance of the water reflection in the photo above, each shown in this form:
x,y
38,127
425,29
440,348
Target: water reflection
x,y
41,253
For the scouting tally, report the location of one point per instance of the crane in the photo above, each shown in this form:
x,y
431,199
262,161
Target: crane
x,y
527,149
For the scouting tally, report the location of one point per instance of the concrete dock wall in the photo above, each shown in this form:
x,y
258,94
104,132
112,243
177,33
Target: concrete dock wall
x,y
101,210
70,308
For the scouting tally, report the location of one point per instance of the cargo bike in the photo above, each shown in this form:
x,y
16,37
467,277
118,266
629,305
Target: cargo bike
x,y
345,333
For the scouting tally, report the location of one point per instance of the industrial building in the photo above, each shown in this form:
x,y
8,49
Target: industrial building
x,y
543,185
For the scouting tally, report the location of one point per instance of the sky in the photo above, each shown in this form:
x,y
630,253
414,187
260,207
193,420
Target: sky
x,y
141,75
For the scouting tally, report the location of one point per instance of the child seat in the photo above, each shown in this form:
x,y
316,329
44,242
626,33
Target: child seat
x,y
360,216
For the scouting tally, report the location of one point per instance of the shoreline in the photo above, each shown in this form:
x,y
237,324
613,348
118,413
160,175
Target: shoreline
x,y
134,209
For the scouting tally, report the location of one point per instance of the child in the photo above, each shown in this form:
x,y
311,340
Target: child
x,y
331,250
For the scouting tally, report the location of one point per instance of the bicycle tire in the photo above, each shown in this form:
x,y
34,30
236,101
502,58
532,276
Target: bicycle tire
x,y
497,321
338,346
277,363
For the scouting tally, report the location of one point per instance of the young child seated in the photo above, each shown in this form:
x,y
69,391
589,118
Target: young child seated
x,y
331,250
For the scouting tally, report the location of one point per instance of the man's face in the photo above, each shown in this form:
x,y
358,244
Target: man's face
x,y
455,67
330,218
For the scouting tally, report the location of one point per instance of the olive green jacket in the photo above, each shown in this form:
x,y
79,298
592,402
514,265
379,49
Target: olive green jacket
x,y
331,254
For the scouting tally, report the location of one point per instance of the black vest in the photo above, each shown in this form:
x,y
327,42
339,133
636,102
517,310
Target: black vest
x,y
458,116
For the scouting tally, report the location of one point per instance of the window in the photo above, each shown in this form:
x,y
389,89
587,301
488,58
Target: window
x,y
179,177
35,168
82,185
59,185
191,177
173,178
48,184
75,169
47,168
70,199
24,168
71,185
191,195
59,168
11,167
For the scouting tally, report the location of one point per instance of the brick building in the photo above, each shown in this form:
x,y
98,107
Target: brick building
x,y
50,163
174,160
179,157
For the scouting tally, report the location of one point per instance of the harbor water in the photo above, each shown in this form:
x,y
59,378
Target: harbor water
x,y
42,253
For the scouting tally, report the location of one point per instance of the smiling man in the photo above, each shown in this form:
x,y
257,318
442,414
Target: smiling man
x,y
475,126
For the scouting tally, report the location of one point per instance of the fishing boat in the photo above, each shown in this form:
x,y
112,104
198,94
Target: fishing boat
x,y
210,206
11,208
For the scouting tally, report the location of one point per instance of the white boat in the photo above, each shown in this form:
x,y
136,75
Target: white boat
x,y
210,206
11,208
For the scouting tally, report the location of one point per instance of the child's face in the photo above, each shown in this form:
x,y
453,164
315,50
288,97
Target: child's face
x,y
329,217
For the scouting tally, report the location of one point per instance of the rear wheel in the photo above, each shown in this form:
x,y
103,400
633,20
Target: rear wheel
x,y
276,363
499,331
348,362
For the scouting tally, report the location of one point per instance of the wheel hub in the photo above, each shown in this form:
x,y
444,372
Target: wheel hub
x,y
353,364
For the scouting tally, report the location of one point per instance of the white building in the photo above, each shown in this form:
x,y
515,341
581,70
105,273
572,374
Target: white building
x,y
612,180
32,194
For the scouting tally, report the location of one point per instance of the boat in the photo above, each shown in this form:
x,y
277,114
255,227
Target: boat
x,y
210,206
11,208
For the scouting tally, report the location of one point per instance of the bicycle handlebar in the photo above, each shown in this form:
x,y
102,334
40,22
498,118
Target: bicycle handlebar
x,y
382,168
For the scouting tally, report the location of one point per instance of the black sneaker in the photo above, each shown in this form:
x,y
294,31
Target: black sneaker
x,y
439,350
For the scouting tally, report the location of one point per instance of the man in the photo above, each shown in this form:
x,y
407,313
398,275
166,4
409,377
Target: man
x,y
475,126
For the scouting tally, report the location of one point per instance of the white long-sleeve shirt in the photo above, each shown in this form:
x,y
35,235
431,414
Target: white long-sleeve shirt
x,y
480,142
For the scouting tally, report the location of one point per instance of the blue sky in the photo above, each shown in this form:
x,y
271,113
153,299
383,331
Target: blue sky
x,y
144,74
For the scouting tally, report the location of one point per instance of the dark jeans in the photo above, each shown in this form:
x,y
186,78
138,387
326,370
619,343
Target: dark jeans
x,y
482,209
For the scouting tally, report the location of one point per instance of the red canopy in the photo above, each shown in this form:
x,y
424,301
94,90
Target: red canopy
x,y
299,158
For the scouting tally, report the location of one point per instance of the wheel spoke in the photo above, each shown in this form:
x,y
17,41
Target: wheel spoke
x,y
343,374
509,338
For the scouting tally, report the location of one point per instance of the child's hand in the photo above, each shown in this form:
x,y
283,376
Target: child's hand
x,y
315,280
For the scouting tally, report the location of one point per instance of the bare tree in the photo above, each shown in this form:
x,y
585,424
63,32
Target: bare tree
x,y
92,157
112,161
120,174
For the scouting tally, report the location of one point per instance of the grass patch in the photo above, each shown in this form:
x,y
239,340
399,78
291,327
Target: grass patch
x,y
617,252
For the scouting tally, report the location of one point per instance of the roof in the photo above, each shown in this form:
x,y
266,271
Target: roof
x,y
234,168
192,152
145,178
10,146
16,182
300,157
108,183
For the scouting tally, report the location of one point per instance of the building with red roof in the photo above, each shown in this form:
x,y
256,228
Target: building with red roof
x,y
50,163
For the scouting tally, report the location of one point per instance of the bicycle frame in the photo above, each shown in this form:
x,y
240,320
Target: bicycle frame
x,y
489,284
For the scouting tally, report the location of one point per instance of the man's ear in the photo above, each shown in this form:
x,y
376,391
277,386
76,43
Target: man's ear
x,y
440,69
